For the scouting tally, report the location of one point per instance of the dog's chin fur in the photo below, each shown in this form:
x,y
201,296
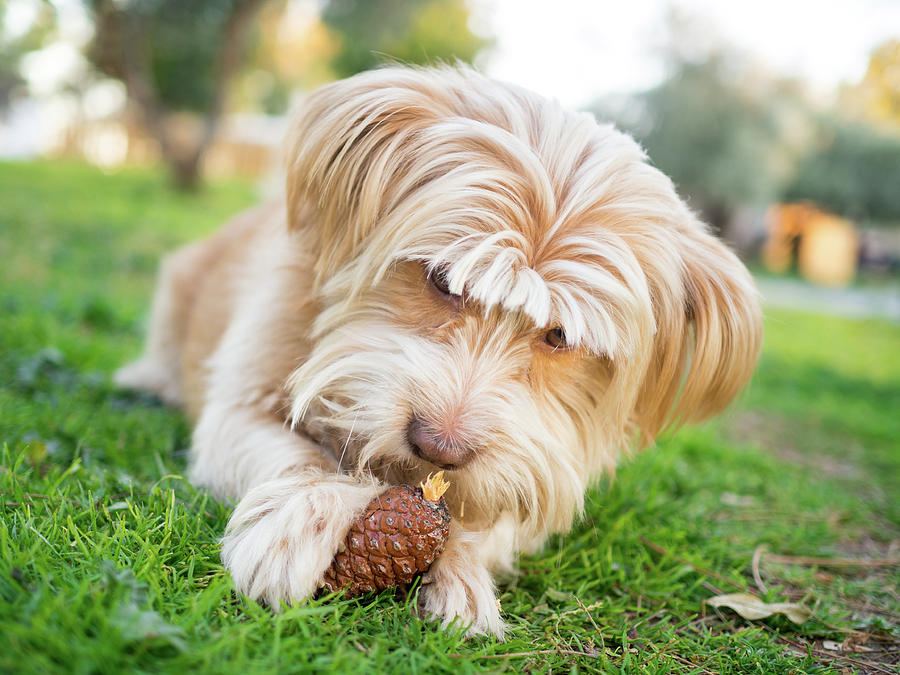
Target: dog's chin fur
x,y
307,336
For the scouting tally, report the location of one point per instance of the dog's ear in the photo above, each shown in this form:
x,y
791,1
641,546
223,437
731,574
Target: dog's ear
x,y
708,332
349,148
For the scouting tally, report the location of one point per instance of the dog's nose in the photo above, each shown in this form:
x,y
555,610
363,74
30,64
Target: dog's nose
x,y
427,444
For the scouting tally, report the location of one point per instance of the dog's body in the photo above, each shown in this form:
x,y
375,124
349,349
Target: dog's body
x,y
463,275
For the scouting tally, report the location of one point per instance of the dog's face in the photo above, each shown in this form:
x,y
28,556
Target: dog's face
x,y
508,291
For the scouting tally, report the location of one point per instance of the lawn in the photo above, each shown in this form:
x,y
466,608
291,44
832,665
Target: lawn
x,y
109,558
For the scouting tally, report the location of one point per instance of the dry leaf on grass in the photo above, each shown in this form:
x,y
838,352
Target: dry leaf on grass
x,y
751,607
851,644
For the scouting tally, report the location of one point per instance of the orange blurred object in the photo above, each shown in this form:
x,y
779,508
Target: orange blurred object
x,y
824,247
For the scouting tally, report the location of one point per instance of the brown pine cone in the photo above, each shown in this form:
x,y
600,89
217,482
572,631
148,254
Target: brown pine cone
x,y
401,532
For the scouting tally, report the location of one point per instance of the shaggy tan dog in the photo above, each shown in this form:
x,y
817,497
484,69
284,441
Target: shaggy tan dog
x,y
463,275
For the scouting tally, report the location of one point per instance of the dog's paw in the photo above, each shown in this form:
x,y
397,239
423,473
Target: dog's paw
x,y
283,534
147,375
459,588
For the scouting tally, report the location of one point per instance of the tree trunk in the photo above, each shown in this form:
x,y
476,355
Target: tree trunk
x,y
718,214
185,173
122,50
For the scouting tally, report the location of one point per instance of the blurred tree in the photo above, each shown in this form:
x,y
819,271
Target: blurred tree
x,y
293,51
717,130
180,55
876,98
412,31
173,56
852,170
723,128
14,46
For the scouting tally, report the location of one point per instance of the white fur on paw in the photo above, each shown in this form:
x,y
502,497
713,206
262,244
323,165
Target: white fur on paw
x,y
451,591
283,535
146,375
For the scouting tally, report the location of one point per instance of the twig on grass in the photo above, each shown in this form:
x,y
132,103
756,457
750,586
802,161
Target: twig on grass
x,y
648,618
572,652
768,514
689,663
663,652
867,666
537,652
684,561
715,590
757,554
586,610
591,618
30,497
833,562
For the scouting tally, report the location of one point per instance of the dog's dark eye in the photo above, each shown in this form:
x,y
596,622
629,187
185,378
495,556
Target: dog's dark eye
x,y
438,279
556,338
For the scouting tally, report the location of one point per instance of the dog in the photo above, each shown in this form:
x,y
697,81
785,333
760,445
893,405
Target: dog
x,y
461,275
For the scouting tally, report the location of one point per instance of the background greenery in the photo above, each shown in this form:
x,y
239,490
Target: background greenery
x,y
109,559
734,135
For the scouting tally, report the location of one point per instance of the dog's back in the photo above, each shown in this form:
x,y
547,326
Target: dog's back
x,y
195,298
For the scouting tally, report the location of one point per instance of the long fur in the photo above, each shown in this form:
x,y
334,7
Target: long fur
x,y
306,336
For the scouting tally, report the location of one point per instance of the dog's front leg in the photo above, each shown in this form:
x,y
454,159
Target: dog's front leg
x,y
458,585
294,508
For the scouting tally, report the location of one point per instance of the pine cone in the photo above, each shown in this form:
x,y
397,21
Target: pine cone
x,y
398,536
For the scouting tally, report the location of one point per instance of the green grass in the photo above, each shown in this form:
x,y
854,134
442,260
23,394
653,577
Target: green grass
x,y
109,558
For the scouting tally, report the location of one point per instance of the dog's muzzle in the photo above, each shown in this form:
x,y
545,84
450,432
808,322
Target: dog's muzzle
x,y
426,443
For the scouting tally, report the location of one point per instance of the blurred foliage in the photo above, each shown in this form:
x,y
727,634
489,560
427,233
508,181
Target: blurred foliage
x,y
14,47
876,98
732,136
717,130
182,42
299,48
185,55
852,170
291,50
412,31
174,56
183,48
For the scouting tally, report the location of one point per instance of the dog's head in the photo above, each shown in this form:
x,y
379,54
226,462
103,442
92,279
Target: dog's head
x,y
508,291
